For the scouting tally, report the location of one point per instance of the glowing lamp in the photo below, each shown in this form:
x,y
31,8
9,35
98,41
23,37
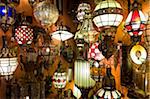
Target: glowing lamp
x,y
8,60
59,79
107,13
7,16
82,9
82,67
45,13
24,34
138,54
135,22
108,90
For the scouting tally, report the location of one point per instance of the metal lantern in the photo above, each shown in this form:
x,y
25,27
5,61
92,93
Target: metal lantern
x,y
135,22
94,52
45,13
107,13
8,60
82,9
7,16
87,29
108,90
62,33
24,33
59,79
138,54
82,74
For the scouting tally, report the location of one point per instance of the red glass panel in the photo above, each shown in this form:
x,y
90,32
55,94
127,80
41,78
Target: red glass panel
x,y
135,16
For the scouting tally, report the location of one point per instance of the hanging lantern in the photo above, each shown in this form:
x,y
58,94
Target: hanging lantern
x,y
107,13
135,22
138,54
94,52
108,90
82,67
147,32
24,33
82,9
7,16
8,60
62,33
88,30
45,13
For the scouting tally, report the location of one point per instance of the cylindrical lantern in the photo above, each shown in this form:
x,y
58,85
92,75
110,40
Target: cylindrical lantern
x,y
45,13
135,22
82,9
138,54
107,13
8,61
7,16
82,74
59,79
24,34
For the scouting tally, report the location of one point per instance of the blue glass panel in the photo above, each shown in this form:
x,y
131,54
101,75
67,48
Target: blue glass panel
x,y
2,8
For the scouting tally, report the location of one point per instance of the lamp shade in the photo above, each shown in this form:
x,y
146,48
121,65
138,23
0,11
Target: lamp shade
x,y
59,79
7,16
82,9
107,13
24,33
82,74
135,22
138,54
62,33
45,13
8,60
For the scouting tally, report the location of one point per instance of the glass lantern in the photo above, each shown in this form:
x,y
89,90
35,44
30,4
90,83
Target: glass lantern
x,y
24,33
45,13
107,13
7,16
8,60
82,9
135,22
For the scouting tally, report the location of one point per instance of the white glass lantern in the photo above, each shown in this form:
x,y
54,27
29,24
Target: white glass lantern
x,y
62,33
135,22
138,54
8,61
107,13
59,79
82,74
82,9
7,16
45,13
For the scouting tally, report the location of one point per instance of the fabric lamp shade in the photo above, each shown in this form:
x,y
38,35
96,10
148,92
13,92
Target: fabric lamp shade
x,y
82,9
7,16
107,13
135,22
45,13
59,79
82,67
138,54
